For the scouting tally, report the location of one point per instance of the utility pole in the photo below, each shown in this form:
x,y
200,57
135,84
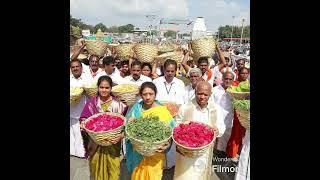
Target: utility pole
x,y
150,19
241,32
232,29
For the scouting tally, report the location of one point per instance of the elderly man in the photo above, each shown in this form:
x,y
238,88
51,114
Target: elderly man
x,y
77,79
222,99
94,65
195,77
202,110
203,64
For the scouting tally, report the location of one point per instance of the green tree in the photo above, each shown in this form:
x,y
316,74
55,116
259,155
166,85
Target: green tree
x,y
170,33
126,28
100,26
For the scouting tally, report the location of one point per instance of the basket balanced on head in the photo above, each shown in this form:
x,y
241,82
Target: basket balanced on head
x,y
102,127
147,134
194,139
176,56
75,95
124,50
203,47
146,52
126,92
97,48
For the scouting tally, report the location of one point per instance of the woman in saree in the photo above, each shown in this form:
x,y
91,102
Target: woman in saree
x,y
140,167
104,161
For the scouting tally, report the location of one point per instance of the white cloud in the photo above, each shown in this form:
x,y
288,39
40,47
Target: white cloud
x,y
121,12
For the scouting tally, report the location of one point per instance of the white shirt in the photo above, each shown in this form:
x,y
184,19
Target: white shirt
x,y
116,78
190,93
223,100
138,82
173,92
75,110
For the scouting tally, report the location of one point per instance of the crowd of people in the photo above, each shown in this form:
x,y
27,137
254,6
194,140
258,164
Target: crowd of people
x,y
198,88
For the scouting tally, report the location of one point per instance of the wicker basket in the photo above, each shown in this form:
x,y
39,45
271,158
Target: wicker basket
x,y
97,48
75,98
239,95
102,138
196,152
124,51
203,47
128,96
244,117
146,52
110,46
172,107
91,91
164,48
176,56
144,148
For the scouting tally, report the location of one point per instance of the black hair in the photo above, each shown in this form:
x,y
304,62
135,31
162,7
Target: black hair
x,y
243,68
148,85
75,60
85,61
146,64
168,62
108,60
137,63
126,62
104,78
240,60
203,60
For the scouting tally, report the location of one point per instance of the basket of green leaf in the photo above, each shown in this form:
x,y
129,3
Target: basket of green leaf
x,y
242,108
147,134
242,91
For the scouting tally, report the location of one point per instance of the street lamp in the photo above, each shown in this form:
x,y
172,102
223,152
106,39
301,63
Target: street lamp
x,y
241,32
232,29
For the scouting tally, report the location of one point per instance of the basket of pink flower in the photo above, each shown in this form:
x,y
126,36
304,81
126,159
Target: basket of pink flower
x,y
194,139
102,127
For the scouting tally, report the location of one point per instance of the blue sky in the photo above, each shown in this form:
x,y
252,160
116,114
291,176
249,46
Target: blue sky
x,y
122,12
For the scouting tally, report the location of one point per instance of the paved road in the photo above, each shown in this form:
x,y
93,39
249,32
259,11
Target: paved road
x,y
79,170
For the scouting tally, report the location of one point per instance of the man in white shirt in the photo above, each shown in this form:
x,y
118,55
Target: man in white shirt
x,y
111,71
223,99
203,64
136,77
77,79
94,65
195,77
200,109
170,89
